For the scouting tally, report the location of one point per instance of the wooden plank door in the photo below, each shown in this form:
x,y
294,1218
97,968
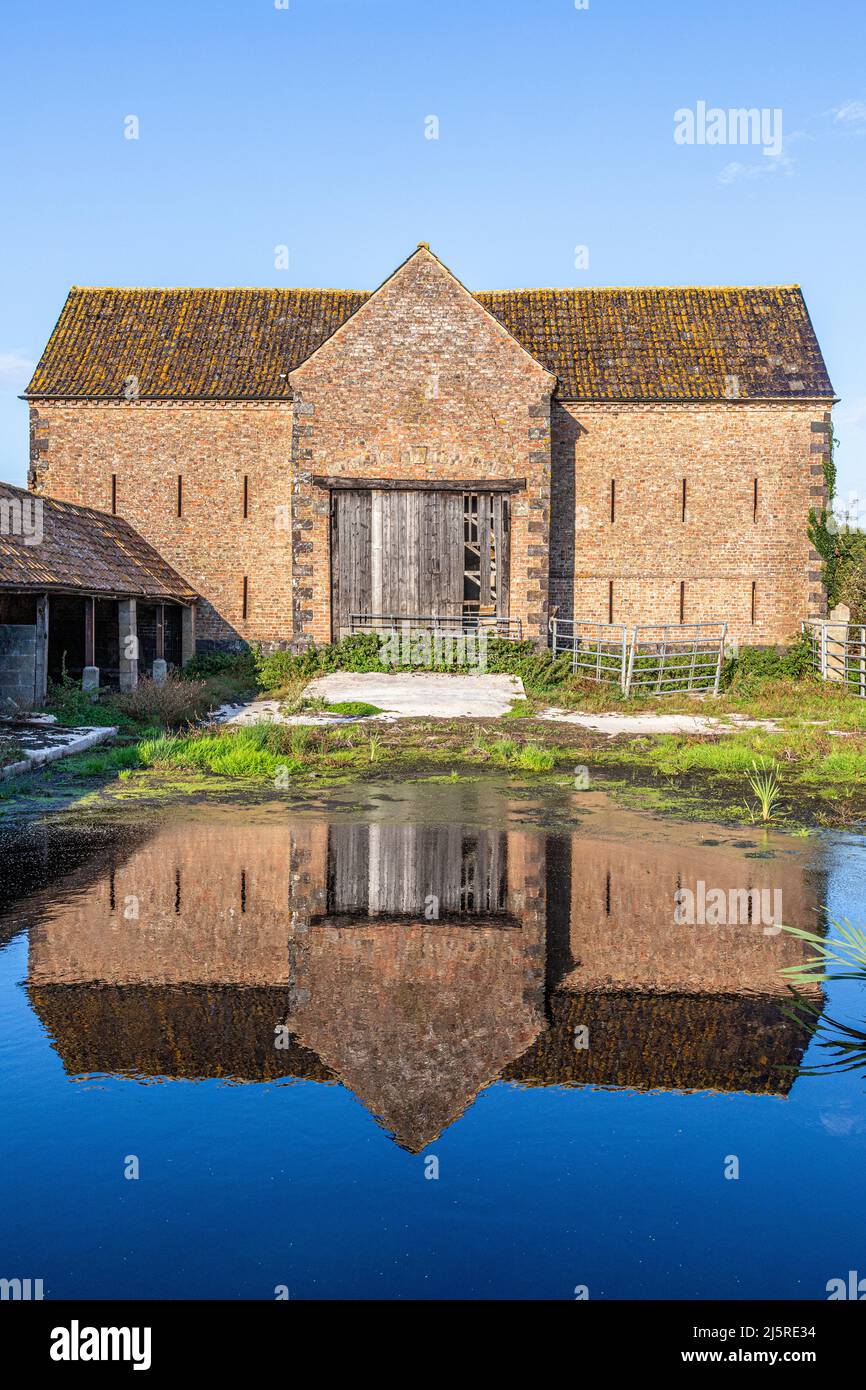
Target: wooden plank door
x,y
351,574
422,553
400,553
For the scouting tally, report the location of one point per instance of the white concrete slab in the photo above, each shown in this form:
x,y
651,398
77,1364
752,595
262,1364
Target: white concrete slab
x,y
422,694
614,724
416,695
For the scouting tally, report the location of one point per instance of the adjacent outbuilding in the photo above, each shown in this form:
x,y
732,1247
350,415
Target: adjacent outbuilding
x,y
83,595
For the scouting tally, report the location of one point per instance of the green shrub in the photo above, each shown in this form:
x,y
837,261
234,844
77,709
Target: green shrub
x,y
74,706
175,702
278,669
752,667
357,709
205,664
852,588
538,670
281,668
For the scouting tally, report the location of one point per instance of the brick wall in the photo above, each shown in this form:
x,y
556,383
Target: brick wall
x,y
421,383
212,446
724,545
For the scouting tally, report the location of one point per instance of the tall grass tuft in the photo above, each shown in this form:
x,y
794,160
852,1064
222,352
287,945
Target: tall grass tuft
x,y
533,758
765,785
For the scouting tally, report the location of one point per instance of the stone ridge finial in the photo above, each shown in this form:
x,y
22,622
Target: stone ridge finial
x,y
423,246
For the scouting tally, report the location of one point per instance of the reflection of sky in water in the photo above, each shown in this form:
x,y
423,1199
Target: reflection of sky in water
x,y
454,1036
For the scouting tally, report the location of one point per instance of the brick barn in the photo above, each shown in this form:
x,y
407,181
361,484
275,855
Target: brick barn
x,y
310,459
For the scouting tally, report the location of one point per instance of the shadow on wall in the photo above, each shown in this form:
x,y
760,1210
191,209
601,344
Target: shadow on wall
x,y
564,515
224,636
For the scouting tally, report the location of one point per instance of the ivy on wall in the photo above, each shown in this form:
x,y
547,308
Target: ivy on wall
x,y
823,530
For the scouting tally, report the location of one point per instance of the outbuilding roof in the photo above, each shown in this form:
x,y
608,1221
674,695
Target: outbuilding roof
x,y
49,545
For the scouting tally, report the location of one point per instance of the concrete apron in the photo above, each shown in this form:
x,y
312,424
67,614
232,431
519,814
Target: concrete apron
x,y
424,695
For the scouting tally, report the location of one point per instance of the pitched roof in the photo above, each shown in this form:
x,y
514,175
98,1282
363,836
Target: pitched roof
x,y
666,1042
602,344
645,1042
81,549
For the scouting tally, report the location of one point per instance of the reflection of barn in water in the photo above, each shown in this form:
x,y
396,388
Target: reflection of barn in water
x,y
323,928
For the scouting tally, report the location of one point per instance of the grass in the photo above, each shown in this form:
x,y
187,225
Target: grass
x,y
358,709
281,754
520,709
251,752
794,704
807,771
108,760
10,749
532,758
845,949
679,776
765,785
507,753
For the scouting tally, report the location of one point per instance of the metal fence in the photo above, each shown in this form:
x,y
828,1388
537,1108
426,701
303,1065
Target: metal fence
x,y
509,628
651,659
838,652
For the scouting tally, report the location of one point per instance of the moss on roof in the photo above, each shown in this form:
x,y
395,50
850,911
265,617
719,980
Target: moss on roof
x,y
688,344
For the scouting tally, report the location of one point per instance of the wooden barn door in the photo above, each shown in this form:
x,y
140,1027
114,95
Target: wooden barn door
x,y
418,567
393,870
395,553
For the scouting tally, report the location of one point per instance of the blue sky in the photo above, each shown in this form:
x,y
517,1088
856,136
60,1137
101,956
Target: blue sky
x,y
305,127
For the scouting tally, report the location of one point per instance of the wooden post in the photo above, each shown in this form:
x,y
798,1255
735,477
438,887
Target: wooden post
x,y
90,631
376,537
160,631
40,683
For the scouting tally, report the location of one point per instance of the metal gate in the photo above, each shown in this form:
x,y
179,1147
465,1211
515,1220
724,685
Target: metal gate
x,y
838,652
653,659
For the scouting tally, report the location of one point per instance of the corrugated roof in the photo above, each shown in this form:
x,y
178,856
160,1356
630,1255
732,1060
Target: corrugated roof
x,y
601,344
79,549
